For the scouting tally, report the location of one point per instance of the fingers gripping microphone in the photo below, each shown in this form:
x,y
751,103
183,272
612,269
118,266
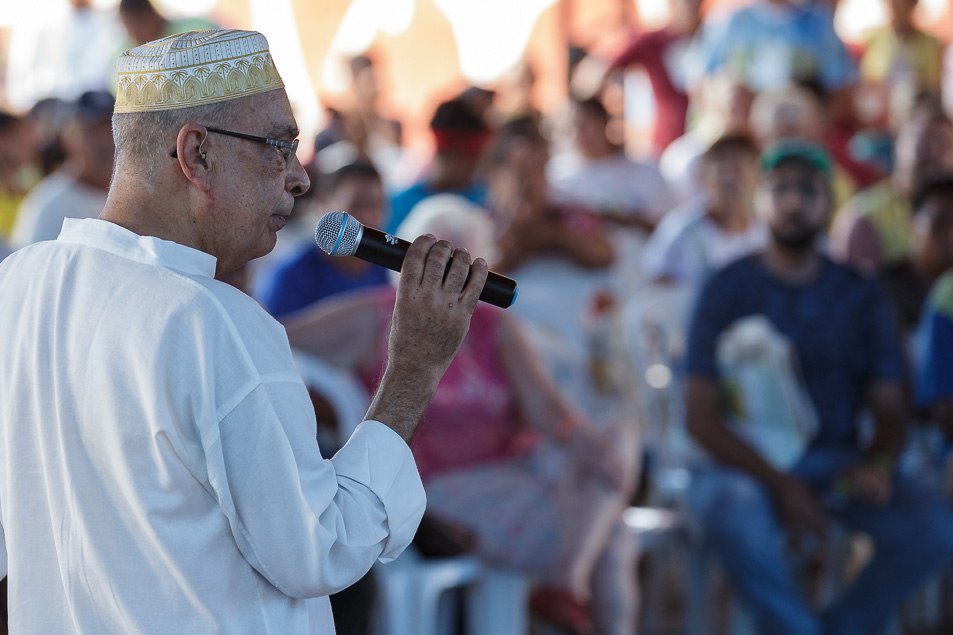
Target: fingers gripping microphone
x,y
340,234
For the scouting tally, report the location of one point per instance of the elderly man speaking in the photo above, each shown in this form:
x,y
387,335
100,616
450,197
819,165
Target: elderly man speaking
x,y
158,465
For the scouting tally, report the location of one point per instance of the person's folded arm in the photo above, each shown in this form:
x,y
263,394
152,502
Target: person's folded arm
x,y
706,425
592,250
343,330
798,506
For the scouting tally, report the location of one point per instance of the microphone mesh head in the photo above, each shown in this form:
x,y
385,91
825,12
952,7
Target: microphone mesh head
x,y
337,234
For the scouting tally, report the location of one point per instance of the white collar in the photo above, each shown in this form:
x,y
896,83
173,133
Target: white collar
x,y
148,250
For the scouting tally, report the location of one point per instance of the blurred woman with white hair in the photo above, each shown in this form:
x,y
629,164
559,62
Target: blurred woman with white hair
x,y
500,451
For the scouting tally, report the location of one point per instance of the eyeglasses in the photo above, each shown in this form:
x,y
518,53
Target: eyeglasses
x,y
287,148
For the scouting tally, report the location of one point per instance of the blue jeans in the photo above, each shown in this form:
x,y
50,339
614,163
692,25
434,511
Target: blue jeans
x,y
912,535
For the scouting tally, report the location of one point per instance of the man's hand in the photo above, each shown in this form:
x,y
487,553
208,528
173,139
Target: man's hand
x,y
432,312
870,483
798,506
596,452
431,318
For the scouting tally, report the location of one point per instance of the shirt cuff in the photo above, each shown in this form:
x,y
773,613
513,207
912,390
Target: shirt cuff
x,y
378,458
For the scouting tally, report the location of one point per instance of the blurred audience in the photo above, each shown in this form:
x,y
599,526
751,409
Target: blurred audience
x,y
666,56
78,188
794,112
899,60
873,230
48,117
529,223
144,23
934,344
551,510
515,95
480,101
629,196
366,93
563,257
707,233
307,274
862,166
770,43
723,106
356,128
908,281
599,175
845,348
19,169
62,53
933,227
460,137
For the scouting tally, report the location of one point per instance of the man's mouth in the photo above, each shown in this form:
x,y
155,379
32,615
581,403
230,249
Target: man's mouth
x,y
277,221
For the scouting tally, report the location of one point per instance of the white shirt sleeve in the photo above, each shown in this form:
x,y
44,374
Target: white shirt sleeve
x,y
310,526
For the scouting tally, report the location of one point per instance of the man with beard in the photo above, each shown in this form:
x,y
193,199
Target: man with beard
x,y
838,328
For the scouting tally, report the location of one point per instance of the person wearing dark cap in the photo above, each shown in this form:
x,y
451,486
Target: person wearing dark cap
x,y
460,137
836,329
78,188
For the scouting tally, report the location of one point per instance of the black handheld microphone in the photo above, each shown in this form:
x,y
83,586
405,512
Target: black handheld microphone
x,y
340,234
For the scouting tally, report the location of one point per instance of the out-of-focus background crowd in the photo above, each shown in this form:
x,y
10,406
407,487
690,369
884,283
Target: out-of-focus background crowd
x,y
605,153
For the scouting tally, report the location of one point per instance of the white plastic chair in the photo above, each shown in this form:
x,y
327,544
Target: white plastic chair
x,y
414,598
655,319
341,388
654,325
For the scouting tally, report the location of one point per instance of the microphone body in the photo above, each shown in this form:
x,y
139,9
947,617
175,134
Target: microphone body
x,y
340,234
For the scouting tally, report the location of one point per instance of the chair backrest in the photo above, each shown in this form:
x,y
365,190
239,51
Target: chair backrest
x,y
340,387
655,324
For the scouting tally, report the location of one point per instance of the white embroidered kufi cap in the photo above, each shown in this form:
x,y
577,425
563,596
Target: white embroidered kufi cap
x,y
194,68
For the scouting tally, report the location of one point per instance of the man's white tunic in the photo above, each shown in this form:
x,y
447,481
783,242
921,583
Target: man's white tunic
x,y
158,465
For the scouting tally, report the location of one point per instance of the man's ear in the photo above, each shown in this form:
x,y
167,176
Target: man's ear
x,y
191,155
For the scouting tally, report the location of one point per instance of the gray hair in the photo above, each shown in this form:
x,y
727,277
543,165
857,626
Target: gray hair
x,y
145,138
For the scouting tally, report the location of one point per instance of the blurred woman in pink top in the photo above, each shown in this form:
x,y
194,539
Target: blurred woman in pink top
x,y
500,451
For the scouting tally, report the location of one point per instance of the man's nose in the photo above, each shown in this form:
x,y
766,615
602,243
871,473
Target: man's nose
x,y
297,182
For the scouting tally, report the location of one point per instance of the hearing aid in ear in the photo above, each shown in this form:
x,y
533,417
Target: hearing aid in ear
x,y
202,155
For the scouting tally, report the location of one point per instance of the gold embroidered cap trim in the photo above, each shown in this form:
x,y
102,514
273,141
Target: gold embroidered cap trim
x,y
193,69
